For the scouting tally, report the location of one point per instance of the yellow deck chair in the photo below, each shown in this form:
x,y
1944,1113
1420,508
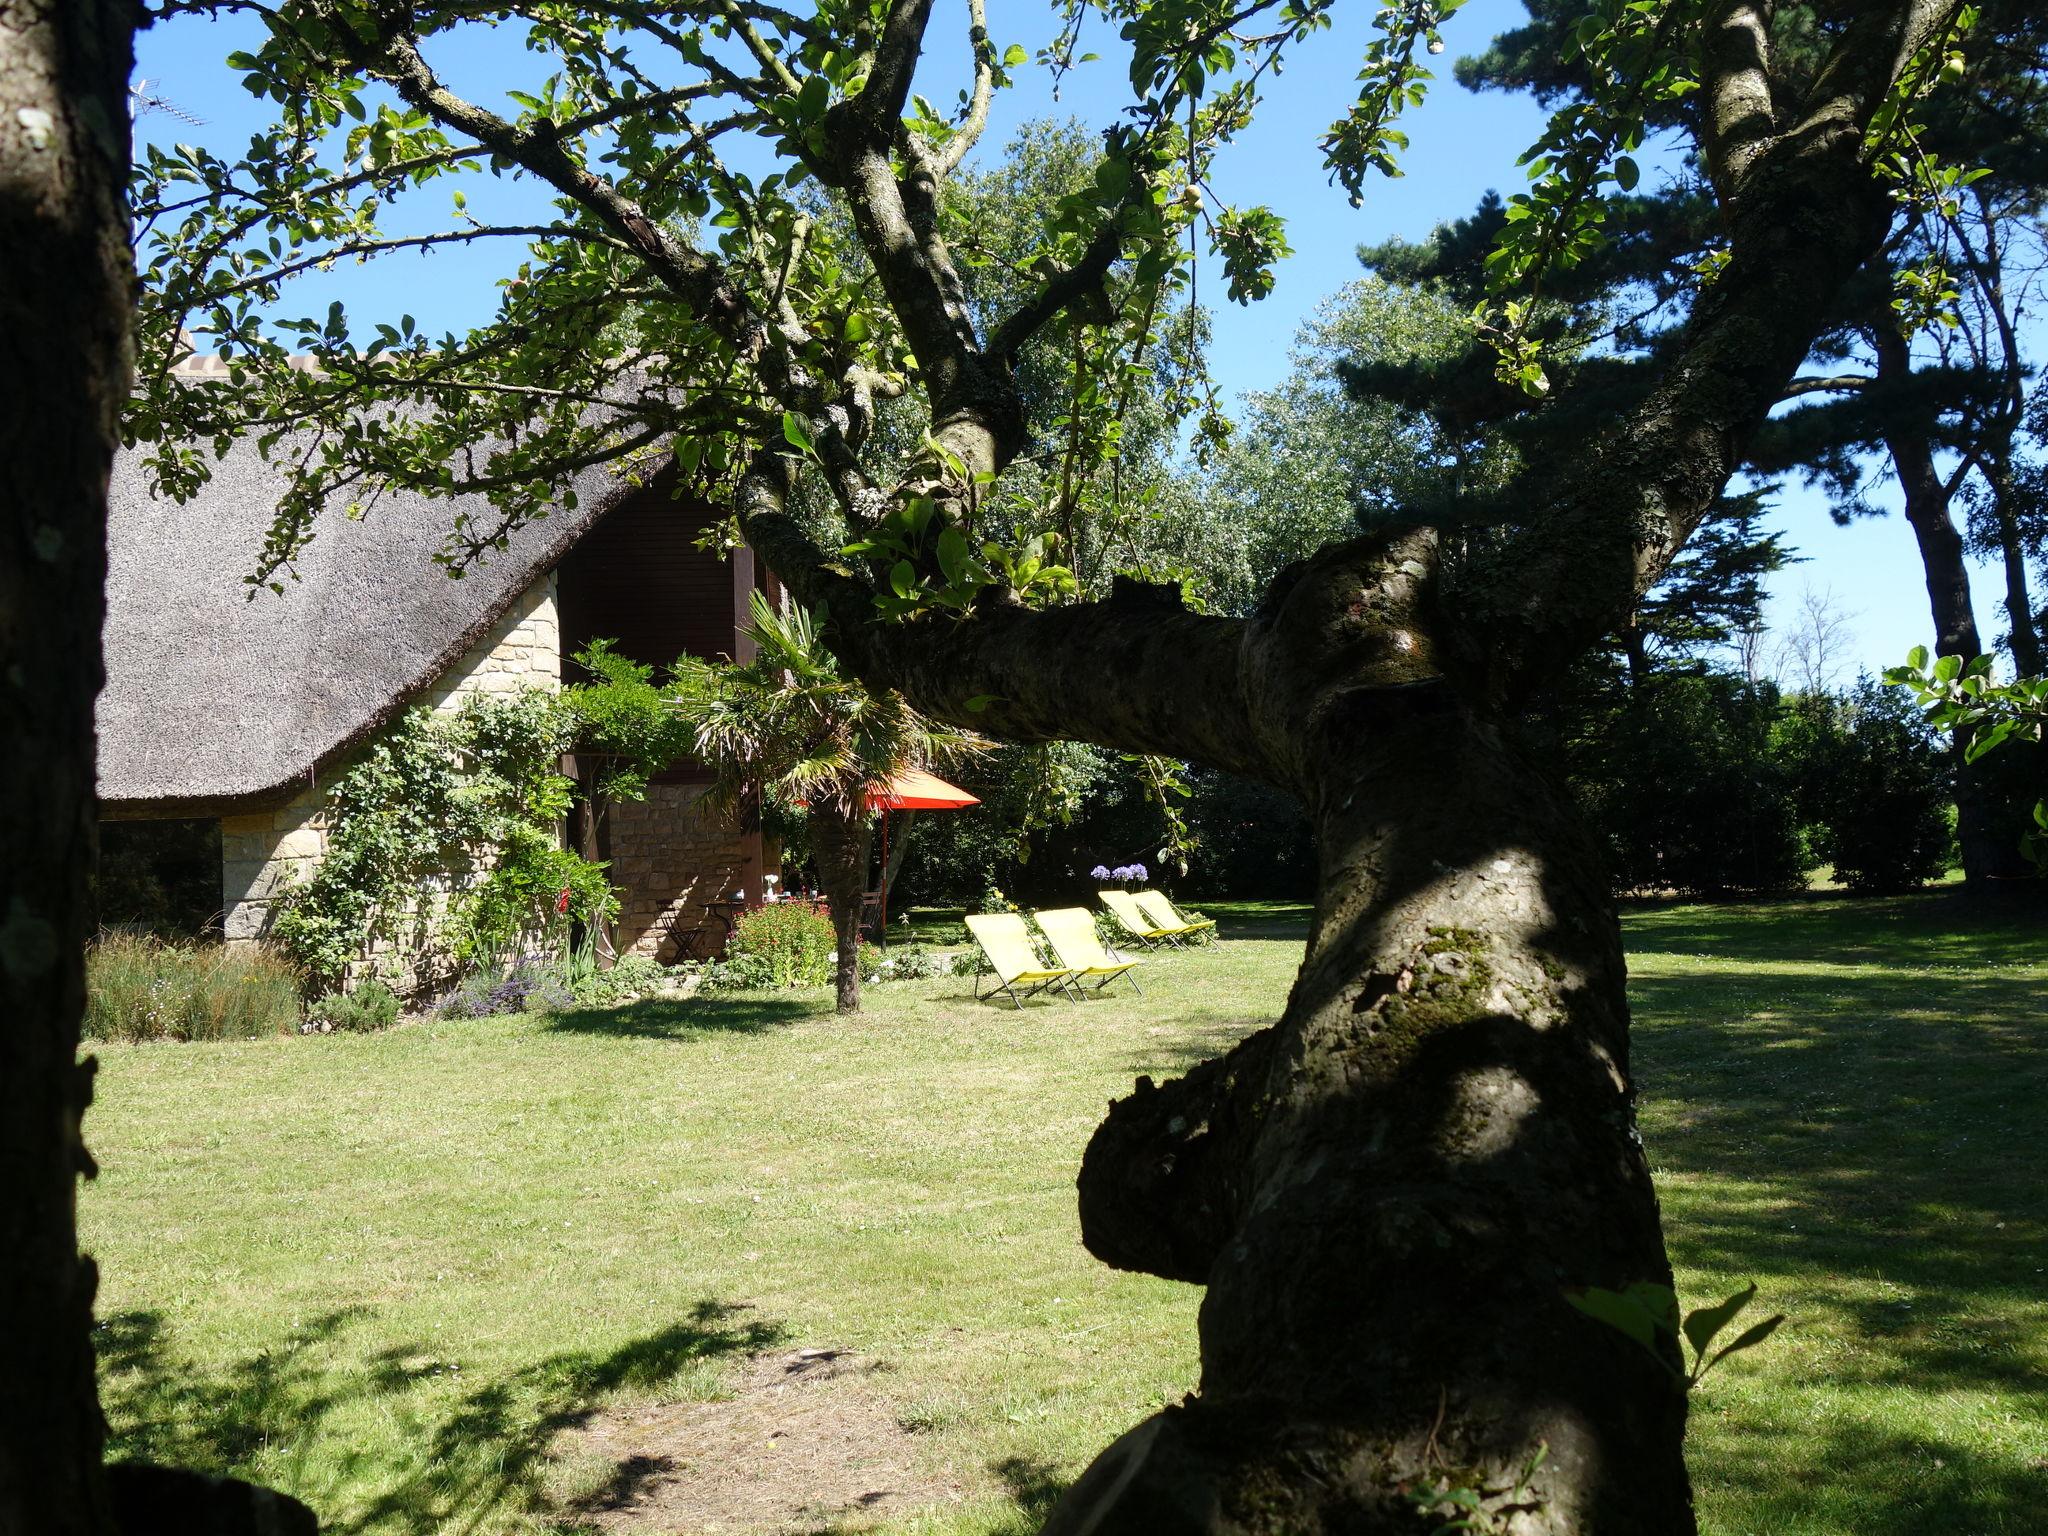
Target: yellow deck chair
x,y
1071,932
1167,916
1123,906
1006,950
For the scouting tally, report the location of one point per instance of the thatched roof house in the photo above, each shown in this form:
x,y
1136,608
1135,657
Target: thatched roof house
x,y
230,713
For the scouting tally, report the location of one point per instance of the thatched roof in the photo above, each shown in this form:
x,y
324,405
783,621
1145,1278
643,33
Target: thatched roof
x,y
214,697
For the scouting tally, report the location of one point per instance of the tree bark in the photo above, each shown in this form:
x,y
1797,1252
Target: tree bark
x,y
1988,851
1389,1192
840,843
64,316
2019,601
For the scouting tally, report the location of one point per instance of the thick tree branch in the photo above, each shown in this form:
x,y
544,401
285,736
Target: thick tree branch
x,y
1840,383
1056,674
887,91
697,279
1802,217
1740,115
1058,291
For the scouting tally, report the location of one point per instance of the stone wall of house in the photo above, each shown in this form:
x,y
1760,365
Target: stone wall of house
x,y
264,851
669,859
524,650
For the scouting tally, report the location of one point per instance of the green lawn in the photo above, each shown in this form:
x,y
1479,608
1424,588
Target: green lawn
x,y
385,1273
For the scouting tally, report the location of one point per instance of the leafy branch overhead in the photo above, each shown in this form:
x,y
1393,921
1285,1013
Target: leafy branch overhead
x,y
756,261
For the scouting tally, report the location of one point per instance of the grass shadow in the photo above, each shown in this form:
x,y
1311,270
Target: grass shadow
x,y
696,1016
1033,1485
1865,1145
1947,926
481,1457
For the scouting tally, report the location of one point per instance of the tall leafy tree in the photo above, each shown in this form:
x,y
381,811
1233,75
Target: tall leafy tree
x,y
1389,1191
1920,365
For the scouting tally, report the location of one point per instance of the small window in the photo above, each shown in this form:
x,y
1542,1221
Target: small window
x,y
160,877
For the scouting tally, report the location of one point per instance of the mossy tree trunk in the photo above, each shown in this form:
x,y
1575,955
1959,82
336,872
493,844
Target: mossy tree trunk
x,y
1389,1192
64,308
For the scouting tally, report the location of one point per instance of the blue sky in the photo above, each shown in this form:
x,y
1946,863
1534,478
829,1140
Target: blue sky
x,y
1462,143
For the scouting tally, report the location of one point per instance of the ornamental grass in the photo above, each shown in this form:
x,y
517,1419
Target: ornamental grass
x,y
144,989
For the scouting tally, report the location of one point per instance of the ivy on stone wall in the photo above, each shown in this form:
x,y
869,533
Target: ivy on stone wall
x,y
444,838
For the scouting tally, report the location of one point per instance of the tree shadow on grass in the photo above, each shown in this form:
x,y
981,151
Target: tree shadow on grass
x,y
1033,1485
1865,1144
694,1017
1947,926
472,1461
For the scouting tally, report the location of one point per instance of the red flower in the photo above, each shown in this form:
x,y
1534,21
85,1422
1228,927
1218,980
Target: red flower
x,y
562,901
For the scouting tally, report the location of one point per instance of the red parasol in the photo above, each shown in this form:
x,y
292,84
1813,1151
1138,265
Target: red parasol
x,y
911,790
915,790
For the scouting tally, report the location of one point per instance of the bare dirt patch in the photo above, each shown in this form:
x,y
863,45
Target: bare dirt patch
x,y
806,1440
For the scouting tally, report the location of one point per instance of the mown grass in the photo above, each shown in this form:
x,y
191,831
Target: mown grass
x,y
382,1272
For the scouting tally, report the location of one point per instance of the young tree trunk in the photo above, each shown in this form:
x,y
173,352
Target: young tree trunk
x,y
64,309
840,843
1988,850
2019,601
1389,1192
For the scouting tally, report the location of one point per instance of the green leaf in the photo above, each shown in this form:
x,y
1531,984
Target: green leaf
x,y
903,578
798,434
1618,1311
857,329
1626,173
954,555
1012,57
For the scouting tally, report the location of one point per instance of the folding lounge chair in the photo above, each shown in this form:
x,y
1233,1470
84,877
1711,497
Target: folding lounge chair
x,y
1071,932
1123,906
1165,914
1007,951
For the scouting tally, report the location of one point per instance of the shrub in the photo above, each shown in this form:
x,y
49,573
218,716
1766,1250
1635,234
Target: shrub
x,y
909,963
1882,791
1688,782
531,986
371,1006
631,976
779,944
143,989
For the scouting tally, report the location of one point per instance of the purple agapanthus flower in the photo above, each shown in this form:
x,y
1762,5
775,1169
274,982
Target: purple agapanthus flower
x,y
1100,872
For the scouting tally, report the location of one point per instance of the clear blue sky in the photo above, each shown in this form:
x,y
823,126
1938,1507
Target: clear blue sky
x,y
1462,144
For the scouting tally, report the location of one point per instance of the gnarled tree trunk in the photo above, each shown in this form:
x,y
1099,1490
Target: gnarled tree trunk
x,y
1389,1192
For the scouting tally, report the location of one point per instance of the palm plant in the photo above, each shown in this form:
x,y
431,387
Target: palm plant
x,y
790,727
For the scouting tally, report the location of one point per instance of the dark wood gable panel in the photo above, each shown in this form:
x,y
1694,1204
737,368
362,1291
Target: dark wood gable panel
x,y
639,579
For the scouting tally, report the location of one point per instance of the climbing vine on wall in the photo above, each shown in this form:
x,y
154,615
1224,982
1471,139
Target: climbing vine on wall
x,y
443,839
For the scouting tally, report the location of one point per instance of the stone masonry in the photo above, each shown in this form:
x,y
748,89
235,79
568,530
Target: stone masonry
x,y
265,851
668,859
